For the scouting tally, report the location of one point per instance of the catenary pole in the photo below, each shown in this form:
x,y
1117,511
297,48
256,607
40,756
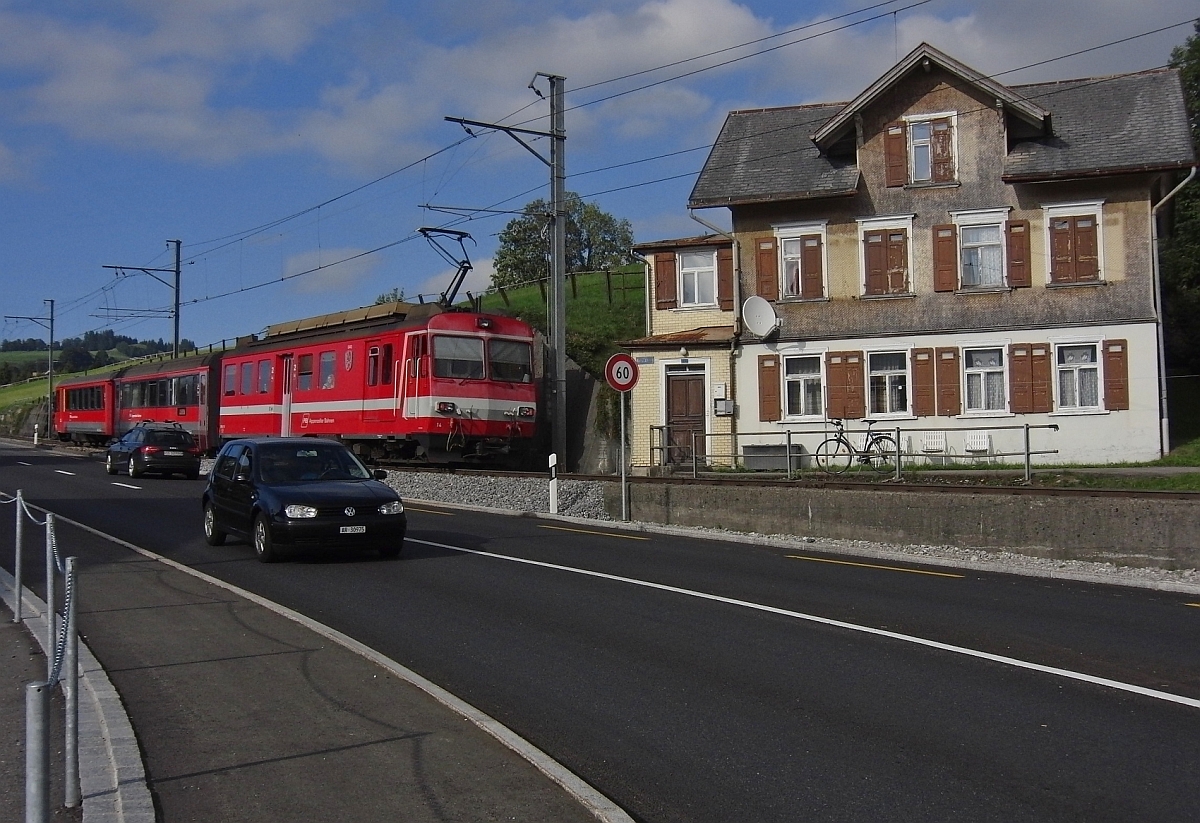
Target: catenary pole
x,y
175,348
558,283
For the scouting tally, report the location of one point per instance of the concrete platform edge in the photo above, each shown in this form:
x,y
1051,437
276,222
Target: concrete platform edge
x,y
112,778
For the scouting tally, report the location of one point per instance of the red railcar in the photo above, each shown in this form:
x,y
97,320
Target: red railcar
x,y
170,391
84,411
393,381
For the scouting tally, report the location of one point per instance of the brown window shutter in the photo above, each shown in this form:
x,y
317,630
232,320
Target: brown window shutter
x,y
664,281
1087,260
945,257
846,395
812,283
875,254
769,407
922,371
1062,252
1020,276
949,399
897,261
943,150
1041,369
725,278
895,150
1020,379
767,277
1116,375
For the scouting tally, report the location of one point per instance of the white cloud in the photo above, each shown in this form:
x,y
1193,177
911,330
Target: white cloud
x,y
325,273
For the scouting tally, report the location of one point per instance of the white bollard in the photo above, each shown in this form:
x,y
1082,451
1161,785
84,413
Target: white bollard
x,y
36,426
554,484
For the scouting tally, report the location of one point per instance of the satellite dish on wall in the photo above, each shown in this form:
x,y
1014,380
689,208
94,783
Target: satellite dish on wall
x,y
759,316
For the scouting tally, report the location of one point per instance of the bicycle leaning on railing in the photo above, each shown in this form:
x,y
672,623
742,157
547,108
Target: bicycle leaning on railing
x,y
837,454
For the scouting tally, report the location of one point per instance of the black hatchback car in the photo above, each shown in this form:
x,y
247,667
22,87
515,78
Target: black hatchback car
x,y
154,448
300,493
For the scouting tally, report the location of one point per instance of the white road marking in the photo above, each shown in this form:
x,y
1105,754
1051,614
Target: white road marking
x,y
126,485
60,471
825,621
23,463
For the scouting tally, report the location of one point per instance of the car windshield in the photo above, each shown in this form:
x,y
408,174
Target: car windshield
x,y
178,439
298,464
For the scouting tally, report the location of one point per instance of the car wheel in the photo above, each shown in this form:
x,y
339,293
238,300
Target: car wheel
x,y
134,471
390,552
110,465
263,547
212,535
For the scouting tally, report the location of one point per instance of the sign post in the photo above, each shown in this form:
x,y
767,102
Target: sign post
x,y
621,372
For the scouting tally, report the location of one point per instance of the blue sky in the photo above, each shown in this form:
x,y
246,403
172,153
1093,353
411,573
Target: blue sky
x,y
132,122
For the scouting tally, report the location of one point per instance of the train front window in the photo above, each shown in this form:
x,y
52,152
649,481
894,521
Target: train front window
x,y
510,361
460,358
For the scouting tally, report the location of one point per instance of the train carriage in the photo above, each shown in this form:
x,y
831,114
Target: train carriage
x,y
393,381
170,391
84,409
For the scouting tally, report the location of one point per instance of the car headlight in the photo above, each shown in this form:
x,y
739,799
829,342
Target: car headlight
x,y
395,507
300,511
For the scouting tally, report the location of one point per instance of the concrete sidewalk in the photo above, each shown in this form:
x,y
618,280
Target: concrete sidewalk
x,y
243,714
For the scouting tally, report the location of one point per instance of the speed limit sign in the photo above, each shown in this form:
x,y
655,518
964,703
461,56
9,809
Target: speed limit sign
x,y
621,372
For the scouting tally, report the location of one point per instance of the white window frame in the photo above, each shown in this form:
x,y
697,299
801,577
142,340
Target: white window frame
x,y
679,255
784,356
885,223
1084,208
1003,411
909,120
1059,408
908,384
794,231
982,218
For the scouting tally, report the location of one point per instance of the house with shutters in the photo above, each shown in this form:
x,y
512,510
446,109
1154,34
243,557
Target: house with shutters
x,y
944,254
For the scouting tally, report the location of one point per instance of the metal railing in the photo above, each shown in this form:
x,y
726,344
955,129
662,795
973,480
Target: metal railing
x,y
62,669
795,450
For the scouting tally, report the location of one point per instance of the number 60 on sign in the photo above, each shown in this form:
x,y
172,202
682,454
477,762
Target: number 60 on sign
x,y
621,372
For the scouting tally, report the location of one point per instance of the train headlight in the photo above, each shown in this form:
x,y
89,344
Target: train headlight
x,y
446,407
526,411
299,512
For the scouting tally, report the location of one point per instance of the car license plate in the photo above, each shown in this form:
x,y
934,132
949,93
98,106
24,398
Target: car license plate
x,y
353,529
170,453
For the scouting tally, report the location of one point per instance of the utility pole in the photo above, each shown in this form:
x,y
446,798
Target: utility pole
x,y
45,322
557,313
128,313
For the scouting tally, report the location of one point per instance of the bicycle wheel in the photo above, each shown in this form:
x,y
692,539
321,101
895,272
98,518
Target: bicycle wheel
x,y
833,456
881,454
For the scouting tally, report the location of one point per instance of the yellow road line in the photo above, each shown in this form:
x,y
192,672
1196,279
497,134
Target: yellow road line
x,y
409,508
1196,605
602,534
873,566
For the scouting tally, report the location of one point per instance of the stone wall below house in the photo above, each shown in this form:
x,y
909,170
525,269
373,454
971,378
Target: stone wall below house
x,y
1126,530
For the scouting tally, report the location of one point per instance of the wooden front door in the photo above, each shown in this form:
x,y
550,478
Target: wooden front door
x,y
685,414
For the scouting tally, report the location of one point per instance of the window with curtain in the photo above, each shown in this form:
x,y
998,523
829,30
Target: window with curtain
x,y
1078,377
458,357
888,382
985,380
982,258
698,278
802,379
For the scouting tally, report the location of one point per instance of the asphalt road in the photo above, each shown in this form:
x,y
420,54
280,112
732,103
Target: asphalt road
x,y
693,680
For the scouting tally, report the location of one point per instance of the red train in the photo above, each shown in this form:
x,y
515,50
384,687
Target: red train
x,y
395,382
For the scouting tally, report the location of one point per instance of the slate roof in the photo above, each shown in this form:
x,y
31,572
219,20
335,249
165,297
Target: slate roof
x,y
1125,123
1131,122
764,155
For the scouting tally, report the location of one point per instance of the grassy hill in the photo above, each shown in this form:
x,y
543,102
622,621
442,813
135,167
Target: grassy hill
x,y
602,310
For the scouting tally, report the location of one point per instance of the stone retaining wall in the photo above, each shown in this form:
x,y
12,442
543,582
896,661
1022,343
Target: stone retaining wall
x,y
1133,531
